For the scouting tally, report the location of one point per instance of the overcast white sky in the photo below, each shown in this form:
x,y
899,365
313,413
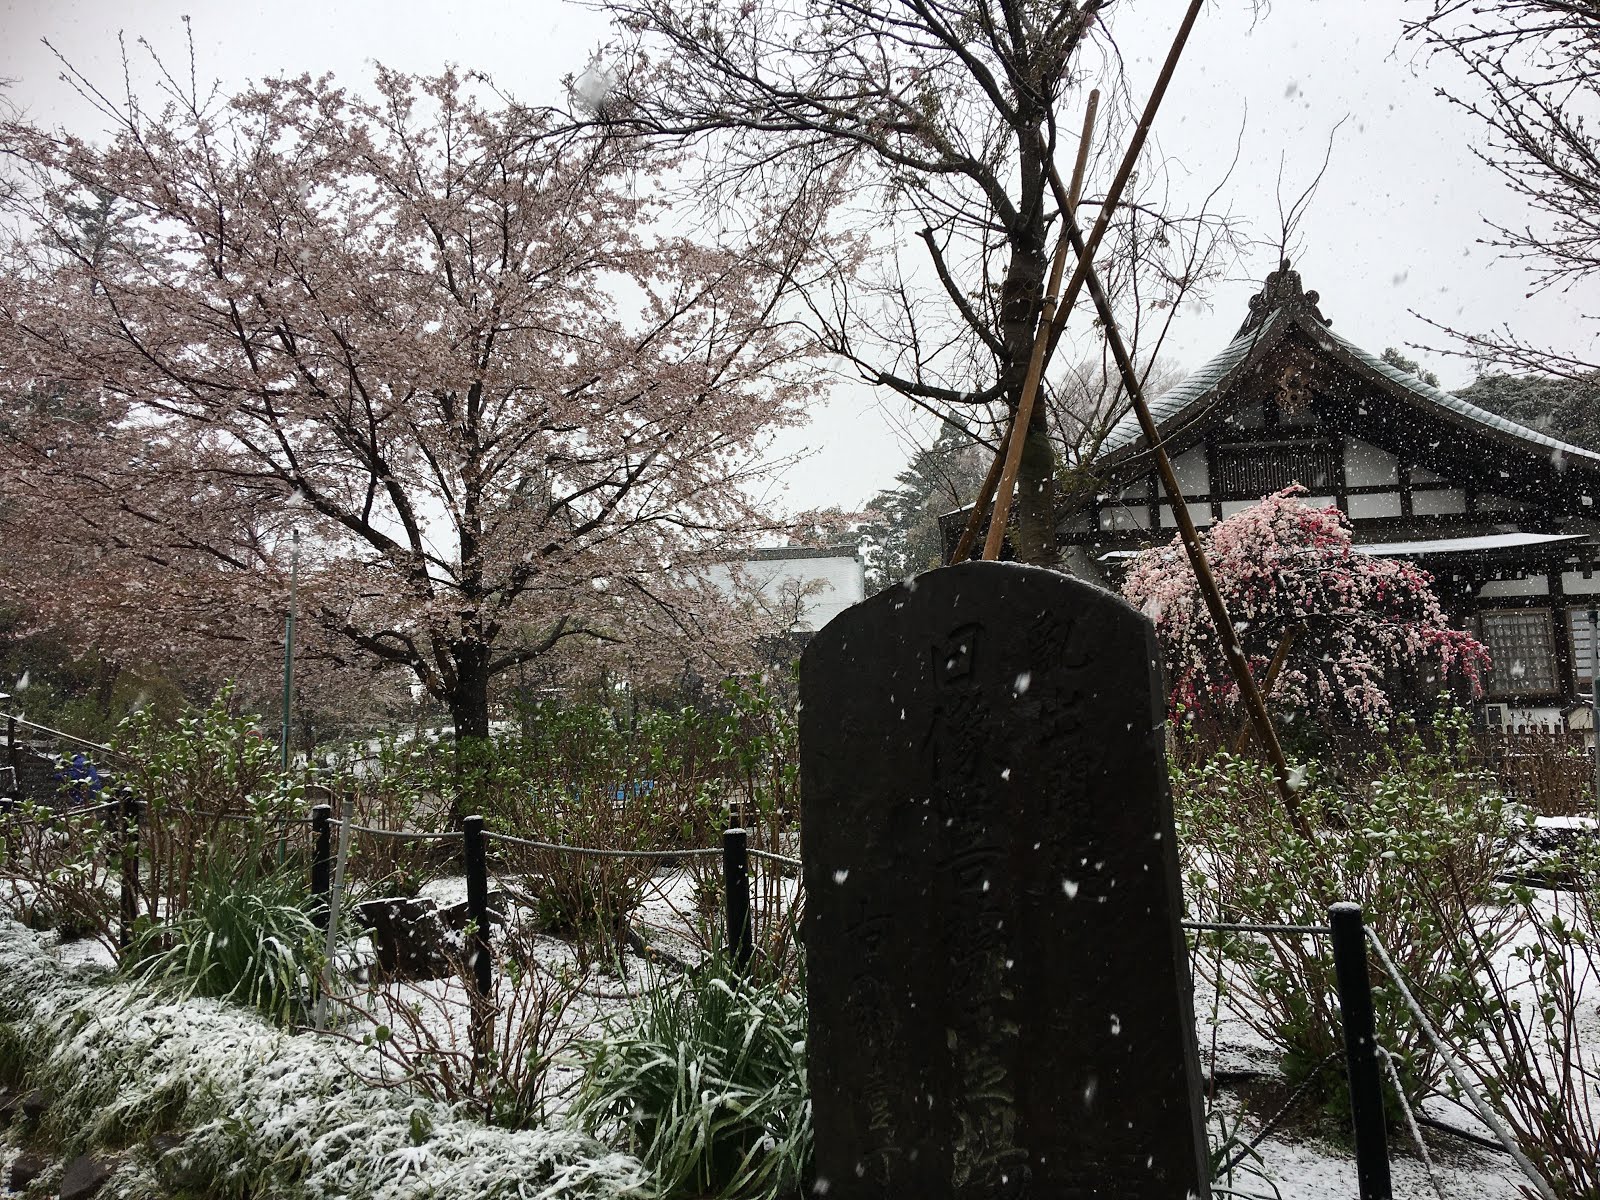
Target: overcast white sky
x,y
1394,227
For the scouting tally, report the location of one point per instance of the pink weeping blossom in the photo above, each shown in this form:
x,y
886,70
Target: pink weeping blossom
x,y
1370,631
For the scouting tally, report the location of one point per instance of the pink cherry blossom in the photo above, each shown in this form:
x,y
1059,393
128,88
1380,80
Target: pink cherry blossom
x,y
1370,631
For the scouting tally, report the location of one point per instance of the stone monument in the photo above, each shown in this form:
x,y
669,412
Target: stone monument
x,y
998,985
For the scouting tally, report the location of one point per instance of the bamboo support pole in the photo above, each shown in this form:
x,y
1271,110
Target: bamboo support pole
x,y
1130,160
1279,657
1018,434
1103,222
1254,702
985,498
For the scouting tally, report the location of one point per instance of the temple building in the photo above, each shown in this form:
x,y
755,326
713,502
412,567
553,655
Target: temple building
x,y
1503,516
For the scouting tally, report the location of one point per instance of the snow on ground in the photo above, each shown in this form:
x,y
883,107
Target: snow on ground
x,y
1294,1165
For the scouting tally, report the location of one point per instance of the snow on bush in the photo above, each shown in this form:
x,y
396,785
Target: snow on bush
x,y
1366,627
271,1114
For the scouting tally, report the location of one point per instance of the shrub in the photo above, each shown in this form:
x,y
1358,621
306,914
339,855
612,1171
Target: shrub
x,y
580,778
1538,1062
1417,843
423,1037
60,869
705,1080
212,791
760,739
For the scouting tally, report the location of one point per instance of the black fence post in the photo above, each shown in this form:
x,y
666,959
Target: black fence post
x,y
321,860
1360,1050
736,883
13,752
476,860
129,811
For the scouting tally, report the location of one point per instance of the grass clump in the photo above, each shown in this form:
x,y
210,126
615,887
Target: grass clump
x,y
251,942
705,1080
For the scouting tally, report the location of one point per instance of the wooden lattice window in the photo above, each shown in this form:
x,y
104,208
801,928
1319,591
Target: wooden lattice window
x,y
1522,653
1582,644
1253,471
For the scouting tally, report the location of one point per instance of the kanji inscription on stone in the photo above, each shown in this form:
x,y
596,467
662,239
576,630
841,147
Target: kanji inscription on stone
x,y
998,986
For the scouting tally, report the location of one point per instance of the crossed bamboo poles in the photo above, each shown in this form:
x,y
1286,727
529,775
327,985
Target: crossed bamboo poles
x,y
1000,483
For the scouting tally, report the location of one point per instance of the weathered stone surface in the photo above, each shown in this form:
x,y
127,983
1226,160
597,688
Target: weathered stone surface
x,y
25,1168
409,935
998,984
35,1104
457,916
85,1175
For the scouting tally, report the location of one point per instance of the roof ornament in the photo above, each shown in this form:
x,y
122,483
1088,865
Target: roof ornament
x,y
1280,290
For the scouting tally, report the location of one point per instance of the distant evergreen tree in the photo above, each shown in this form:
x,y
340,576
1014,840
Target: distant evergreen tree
x,y
1568,409
901,535
1395,359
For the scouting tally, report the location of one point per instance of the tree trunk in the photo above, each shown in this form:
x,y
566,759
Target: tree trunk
x,y
1022,296
469,704
1035,501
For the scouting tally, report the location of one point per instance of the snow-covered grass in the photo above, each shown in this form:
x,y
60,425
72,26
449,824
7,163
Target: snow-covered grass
x,y
268,1113
289,1111
292,1115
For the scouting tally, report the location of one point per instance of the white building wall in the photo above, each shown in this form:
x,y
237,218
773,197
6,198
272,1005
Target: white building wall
x,y
822,585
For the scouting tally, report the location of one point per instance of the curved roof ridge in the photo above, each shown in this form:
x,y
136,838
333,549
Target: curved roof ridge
x,y
1187,393
1189,397
1456,404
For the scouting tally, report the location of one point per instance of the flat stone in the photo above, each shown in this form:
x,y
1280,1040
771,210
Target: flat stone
x,y
409,936
85,1175
25,1168
457,915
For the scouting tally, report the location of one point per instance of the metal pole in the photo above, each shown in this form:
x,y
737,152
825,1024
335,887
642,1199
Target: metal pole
x,y
347,816
1349,939
736,880
475,858
288,651
129,810
321,859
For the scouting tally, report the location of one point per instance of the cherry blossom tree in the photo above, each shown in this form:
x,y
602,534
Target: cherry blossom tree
x,y
1367,630
509,398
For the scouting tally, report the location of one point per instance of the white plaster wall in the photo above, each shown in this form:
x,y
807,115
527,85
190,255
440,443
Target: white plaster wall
x,y
1190,468
1379,504
832,583
1367,466
1534,585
